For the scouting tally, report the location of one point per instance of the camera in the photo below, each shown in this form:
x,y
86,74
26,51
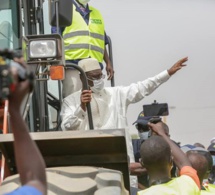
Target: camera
x,y
154,112
155,109
151,113
7,84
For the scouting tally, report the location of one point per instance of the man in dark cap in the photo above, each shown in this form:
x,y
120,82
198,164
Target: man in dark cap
x,y
144,133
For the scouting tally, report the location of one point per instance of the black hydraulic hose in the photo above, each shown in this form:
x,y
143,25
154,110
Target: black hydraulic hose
x,y
85,87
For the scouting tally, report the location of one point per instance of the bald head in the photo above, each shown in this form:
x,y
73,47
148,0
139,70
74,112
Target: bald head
x,y
155,151
199,162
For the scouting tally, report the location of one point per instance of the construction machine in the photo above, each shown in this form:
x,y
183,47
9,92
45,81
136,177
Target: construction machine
x,y
78,162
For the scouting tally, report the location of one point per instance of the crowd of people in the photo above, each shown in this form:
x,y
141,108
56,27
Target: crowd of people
x,y
158,165
155,157
150,154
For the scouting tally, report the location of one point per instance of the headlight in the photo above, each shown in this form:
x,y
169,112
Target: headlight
x,y
43,49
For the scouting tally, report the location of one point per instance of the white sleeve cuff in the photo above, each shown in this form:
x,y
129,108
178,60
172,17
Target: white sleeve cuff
x,y
80,113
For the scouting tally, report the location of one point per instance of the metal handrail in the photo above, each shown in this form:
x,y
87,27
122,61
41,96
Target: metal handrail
x,y
85,87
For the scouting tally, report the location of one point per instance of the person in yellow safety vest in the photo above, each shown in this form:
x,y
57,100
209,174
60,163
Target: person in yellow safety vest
x,y
201,161
208,189
84,38
156,157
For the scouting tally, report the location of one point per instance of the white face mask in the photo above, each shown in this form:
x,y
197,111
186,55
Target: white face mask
x,y
98,85
143,135
84,2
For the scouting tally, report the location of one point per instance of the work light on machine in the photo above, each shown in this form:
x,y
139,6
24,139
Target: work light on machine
x,y
42,49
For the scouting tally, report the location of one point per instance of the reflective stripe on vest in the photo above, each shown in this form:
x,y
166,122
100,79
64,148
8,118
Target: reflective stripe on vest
x,y
82,40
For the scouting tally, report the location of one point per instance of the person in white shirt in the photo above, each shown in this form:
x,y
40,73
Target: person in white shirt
x,y
108,104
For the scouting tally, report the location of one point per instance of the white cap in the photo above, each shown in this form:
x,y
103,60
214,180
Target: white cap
x,y
89,64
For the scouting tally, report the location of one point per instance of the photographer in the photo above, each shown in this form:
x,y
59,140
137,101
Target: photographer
x,y
29,161
157,155
144,133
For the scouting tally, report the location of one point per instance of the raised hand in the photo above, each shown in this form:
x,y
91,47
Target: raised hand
x,y
177,66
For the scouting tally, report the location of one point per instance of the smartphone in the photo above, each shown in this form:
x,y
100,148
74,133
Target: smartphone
x,y
156,109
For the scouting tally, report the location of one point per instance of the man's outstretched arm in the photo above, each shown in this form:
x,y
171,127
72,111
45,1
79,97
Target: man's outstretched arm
x,y
179,157
29,161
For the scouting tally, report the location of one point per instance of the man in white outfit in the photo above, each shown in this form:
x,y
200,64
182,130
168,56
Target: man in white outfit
x,y
108,104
